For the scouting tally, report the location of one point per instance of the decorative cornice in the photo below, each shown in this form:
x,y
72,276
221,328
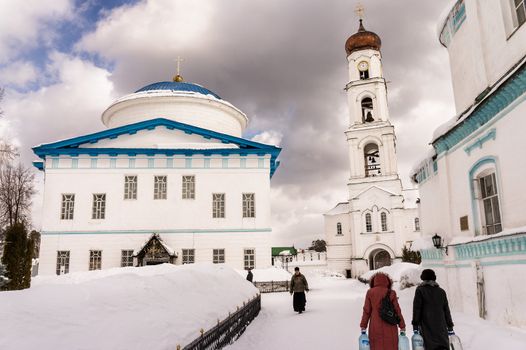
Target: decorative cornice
x,y
480,141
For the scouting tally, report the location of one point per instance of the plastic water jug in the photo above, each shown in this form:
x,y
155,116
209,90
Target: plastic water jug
x,y
363,342
454,341
417,341
403,342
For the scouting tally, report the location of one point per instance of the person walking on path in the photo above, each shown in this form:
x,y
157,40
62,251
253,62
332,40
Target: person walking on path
x,y
298,286
431,315
382,335
250,276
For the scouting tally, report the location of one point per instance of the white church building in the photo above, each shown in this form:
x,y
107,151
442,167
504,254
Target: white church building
x,y
472,188
380,218
170,180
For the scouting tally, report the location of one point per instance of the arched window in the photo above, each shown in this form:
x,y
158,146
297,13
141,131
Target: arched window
x,y
489,202
417,224
364,74
383,219
367,110
368,223
372,160
339,229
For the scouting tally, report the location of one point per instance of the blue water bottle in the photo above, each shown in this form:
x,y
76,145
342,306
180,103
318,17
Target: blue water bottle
x,y
363,341
403,342
454,341
417,341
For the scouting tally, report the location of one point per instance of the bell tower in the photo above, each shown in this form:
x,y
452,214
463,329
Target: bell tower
x,y
370,136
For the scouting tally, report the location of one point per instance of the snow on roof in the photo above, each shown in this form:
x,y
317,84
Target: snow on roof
x,y
410,198
431,153
168,249
285,252
340,208
469,239
453,122
153,307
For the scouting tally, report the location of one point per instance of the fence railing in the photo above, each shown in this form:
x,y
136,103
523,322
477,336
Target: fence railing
x,y
272,286
229,330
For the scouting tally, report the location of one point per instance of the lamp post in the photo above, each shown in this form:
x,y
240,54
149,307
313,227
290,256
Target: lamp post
x,y
438,243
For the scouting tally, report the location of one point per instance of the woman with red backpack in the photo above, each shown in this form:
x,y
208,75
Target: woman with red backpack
x,y
382,313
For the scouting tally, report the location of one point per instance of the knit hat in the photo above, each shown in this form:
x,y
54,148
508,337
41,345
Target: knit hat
x,y
428,275
296,268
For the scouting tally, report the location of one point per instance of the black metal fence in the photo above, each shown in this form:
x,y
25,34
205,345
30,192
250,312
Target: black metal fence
x,y
229,330
272,286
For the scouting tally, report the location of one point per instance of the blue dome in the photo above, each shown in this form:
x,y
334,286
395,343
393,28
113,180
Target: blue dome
x,y
177,86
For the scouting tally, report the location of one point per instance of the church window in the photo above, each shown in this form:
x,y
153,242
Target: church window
x,y
489,201
417,224
249,205
62,262
68,206
99,206
188,256
126,258
130,187
188,187
339,229
368,223
367,110
159,189
218,205
520,12
364,74
95,260
250,258
372,160
383,219
218,256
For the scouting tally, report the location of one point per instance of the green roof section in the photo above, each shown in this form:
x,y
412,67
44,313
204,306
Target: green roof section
x,y
277,250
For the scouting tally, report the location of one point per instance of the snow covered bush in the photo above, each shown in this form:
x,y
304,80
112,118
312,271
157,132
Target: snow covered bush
x,y
404,275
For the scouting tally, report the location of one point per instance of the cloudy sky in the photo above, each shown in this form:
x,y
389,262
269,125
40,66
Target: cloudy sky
x,y
282,62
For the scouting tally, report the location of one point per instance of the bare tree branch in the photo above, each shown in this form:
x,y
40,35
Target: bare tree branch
x,y
16,191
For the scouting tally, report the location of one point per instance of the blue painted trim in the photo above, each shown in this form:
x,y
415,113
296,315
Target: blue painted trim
x,y
54,233
432,254
503,262
71,146
493,247
480,141
505,95
474,206
39,165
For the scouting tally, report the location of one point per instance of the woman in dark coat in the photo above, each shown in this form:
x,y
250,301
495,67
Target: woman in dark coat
x,y
431,315
298,286
382,335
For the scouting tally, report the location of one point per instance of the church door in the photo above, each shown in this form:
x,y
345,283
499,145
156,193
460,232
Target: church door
x,y
379,258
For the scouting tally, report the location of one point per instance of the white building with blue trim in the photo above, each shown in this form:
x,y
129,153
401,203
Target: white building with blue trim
x,y
472,186
170,180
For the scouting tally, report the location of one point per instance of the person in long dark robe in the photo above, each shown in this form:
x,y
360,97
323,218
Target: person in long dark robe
x,y
298,287
250,276
431,314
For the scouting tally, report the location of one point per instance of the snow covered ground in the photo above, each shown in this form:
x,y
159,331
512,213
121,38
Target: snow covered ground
x,y
154,307
334,308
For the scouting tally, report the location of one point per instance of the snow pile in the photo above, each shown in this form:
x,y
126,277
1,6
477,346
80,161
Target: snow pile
x,y
154,307
268,275
404,275
422,243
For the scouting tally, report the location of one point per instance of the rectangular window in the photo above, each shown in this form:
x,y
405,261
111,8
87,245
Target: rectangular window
x,y
130,187
250,258
95,259
62,262
188,187
218,205
159,189
126,258
520,11
249,205
188,256
218,256
68,206
99,206
490,204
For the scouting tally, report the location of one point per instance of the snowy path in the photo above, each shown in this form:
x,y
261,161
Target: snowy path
x,y
332,322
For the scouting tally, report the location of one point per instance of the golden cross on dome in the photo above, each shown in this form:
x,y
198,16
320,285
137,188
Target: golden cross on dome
x,y
359,10
178,77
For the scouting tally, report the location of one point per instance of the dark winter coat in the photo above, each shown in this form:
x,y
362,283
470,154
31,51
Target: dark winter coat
x,y
250,276
432,316
298,283
382,335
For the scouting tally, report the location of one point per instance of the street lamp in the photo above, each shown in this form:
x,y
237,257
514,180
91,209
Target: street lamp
x,y
437,242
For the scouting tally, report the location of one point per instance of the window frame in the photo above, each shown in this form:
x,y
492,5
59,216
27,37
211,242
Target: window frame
x,y
218,205
188,256
249,258
368,223
67,212
491,198
95,260
130,188
63,254
218,255
188,188
339,231
127,262
98,212
160,192
416,223
383,222
249,205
